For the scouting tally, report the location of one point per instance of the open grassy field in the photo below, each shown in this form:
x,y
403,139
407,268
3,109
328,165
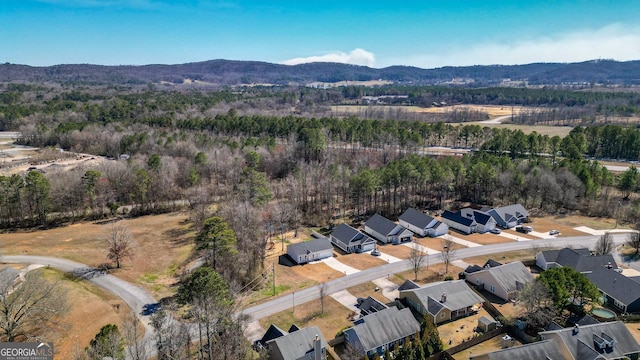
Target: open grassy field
x,y
491,110
486,239
362,261
89,309
551,131
163,244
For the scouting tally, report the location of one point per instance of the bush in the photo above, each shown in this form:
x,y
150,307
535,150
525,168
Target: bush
x,y
448,278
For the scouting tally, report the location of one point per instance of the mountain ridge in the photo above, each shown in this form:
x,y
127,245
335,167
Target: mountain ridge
x,y
235,72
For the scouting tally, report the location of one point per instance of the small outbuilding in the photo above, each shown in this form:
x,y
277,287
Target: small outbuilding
x,y
486,324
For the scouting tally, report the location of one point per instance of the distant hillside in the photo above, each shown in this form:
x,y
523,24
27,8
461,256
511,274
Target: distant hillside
x,y
227,72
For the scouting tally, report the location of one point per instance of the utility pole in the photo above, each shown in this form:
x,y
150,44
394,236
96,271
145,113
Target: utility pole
x,y
273,273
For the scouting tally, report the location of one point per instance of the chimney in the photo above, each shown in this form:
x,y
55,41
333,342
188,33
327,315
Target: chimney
x,y
609,266
576,329
443,298
318,351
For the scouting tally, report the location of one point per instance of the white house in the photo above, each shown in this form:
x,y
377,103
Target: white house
x,y
459,222
386,231
422,224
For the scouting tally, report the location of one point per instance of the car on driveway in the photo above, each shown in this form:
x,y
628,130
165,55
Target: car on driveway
x,y
495,231
554,232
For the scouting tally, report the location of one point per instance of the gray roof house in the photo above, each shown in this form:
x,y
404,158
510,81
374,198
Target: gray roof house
x,y
602,341
351,240
370,305
484,221
312,250
379,331
422,224
386,231
579,260
620,292
508,216
442,301
459,222
609,340
307,343
503,281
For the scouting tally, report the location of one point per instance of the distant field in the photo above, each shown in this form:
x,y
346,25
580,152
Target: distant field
x,y
491,110
551,131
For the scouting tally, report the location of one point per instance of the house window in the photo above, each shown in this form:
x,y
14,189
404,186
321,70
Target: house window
x,y
492,288
618,304
442,316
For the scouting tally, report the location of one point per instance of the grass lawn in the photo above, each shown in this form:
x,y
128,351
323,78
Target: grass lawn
x,y
362,261
336,317
548,223
572,221
438,243
428,275
503,257
399,251
89,309
455,332
487,239
488,346
163,244
368,289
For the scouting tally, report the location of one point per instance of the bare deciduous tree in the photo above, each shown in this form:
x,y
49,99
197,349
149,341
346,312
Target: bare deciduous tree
x,y
323,295
29,307
537,301
604,245
417,258
448,251
633,241
119,243
133,335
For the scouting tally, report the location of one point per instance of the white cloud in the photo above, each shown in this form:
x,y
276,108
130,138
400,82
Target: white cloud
x,y
615,41
355,57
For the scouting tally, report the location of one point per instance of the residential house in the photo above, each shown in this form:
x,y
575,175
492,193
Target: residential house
x,y
601,341
442,301
351,240
382,330
459,222
484,221
474,268
370,305
408,284
504,281
579,260
272,332
422,224
619,291
508,216
307,343
386,231
608,340
312,250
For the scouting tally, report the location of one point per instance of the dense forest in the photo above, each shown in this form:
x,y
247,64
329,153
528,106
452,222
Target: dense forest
x,y
271,169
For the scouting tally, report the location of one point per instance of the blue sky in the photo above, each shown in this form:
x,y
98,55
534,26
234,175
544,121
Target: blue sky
x,y
427,33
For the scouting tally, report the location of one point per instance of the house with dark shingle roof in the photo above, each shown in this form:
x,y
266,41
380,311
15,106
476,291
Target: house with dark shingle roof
x,y
508,216
459,222
307,343
620,292
386,231
442,301
579,260
504,281
370,305
382,330
422,224
307,251
485,222
601,341
351,240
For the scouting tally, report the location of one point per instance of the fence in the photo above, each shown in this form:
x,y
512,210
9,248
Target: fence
x,y
476,340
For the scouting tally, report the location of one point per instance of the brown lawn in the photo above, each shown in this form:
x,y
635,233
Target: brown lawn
x,y
163,244
503,257
510,310
548,223
428,275
571,221
549,130
90,308
634,328
488,346
292,278
455,332
368,289
399,251
438,243
362,261
521,235
336,317
487,239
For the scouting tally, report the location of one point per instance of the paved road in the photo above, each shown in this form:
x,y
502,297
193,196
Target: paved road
x,y
300,297
134,296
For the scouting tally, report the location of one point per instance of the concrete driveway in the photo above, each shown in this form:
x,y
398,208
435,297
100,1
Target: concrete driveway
x,y
424,249
346,299
337,265
389,289
459,241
